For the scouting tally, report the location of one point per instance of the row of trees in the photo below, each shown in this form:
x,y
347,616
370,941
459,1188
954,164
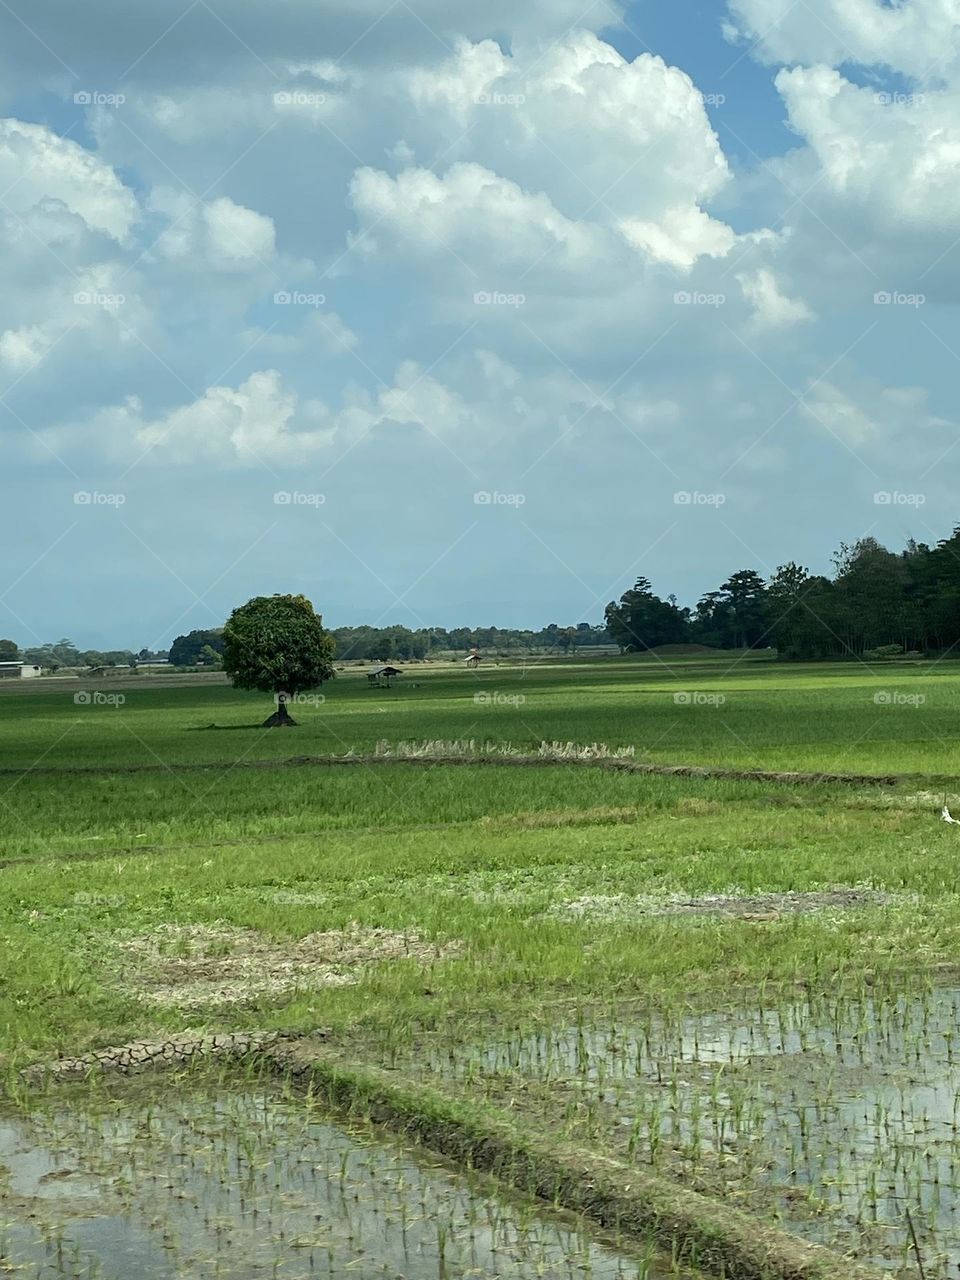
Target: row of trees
x,y
204,647
64,653
874,599
381,643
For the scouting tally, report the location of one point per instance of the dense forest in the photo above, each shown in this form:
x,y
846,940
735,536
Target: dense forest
x,y
876,602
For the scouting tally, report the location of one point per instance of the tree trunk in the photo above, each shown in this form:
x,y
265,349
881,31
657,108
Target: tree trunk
x,y
281,718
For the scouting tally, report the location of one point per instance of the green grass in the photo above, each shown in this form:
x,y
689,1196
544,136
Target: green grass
x,y
773,716
475,855
490,887
459,899
128,813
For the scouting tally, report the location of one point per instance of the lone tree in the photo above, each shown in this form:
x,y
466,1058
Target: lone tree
x,y
277,644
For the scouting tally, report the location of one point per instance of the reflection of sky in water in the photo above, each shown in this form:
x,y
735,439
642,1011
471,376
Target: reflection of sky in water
x,y
248,1187
855,1100
32,1171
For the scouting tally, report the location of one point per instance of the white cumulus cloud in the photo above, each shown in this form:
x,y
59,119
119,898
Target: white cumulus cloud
x,y
38,165
772,309
918,37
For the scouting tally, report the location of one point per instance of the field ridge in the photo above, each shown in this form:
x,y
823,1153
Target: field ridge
x,y
532,761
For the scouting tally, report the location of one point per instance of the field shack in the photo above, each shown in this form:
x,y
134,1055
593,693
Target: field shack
x,y
382,677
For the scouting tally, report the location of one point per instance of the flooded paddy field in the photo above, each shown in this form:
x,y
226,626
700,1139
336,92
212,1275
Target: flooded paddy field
x,y
172,1180
449,922
836,1116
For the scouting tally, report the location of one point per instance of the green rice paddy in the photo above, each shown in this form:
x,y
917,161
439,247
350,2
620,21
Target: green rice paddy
x,y
247,1183
633,959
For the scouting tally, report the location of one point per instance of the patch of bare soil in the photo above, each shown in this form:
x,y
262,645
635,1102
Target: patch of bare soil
x,y
199,966
759,907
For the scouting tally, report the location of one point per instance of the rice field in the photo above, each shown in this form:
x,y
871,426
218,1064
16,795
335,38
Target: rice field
x,y
834,1113
238,1183
889,717
747,985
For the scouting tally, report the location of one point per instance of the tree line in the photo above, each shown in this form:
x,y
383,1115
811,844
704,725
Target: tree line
x,y
203,647
64,653
874,600
381,644
402,643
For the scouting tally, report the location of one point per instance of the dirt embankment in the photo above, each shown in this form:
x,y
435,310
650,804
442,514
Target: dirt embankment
x,y
520,761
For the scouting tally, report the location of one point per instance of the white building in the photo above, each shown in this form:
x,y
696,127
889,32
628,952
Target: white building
x,y
19,670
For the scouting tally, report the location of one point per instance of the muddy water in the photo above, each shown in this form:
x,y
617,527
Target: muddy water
x,y
170,1184
838,1115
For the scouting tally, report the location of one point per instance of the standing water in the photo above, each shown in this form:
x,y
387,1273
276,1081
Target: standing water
x,y
839,1115
157,1185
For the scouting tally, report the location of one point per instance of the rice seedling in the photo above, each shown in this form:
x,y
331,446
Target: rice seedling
x,y
838,1113
244,1183
512,887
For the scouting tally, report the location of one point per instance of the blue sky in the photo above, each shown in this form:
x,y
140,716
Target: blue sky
x,y
449,314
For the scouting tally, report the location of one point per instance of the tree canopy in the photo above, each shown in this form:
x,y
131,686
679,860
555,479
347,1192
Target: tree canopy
x,y
187,650
642,620
876,599
277,644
